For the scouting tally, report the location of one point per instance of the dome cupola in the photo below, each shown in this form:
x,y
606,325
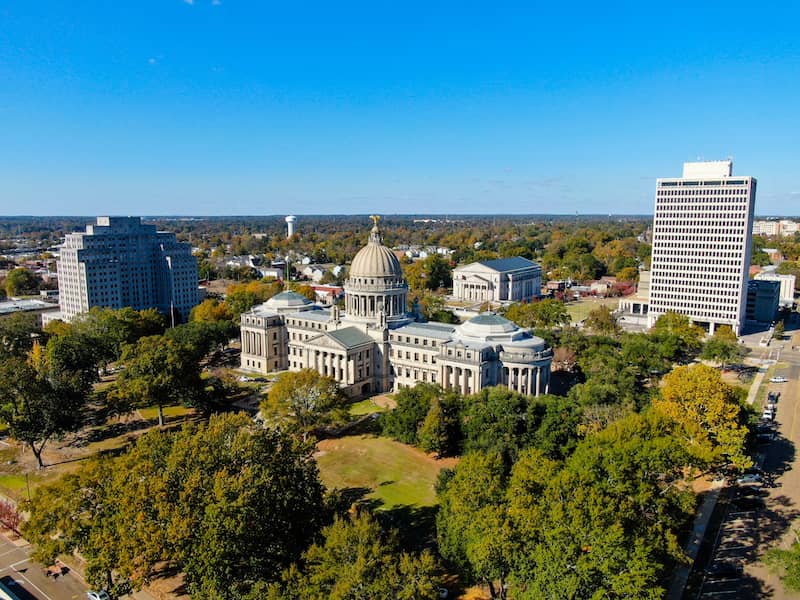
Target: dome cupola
x,y
375,259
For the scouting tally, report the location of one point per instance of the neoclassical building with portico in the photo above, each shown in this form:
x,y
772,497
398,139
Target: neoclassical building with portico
x,y
376,346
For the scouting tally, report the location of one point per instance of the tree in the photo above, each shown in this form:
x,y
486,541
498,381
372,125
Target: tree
x,y
305,400
109,330
211,310
413,404
720,350
709,413
606,525
440,432
241,297
358,560
602,321
21,281
37,408
677,336
725,333
547,313
779,330
160,371
228,503
430,273
471,524
304,290
17,332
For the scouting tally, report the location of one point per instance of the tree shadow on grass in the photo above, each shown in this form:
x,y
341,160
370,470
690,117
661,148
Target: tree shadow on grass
x,y
415,525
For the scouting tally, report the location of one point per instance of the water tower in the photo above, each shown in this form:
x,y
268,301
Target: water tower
x,y
290,225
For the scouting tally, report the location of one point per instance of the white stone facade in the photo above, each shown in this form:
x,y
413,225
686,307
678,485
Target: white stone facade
x,y
120,262
376,346
782,227
504,280
702,231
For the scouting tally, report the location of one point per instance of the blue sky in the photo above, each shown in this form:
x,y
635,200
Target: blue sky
x,y
234,107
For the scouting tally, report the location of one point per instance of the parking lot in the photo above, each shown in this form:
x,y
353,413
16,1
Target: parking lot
x,y
30,581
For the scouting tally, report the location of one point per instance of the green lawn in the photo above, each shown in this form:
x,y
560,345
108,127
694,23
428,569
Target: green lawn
x,y
397,474
580,309
365,407
151,413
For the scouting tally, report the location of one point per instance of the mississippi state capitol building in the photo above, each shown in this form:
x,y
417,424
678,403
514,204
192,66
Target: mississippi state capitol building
x,y
376,346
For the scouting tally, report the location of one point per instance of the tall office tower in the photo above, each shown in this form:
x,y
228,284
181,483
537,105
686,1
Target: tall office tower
x,y
120,262
702,232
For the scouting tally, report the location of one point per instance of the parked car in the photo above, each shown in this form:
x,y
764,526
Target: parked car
x,y
768,415
746,503
751,491
101,595
764,438
778,379
724,569
749,479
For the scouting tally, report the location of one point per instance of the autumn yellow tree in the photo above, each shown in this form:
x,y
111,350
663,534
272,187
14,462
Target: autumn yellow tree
x,y
212,310
708,412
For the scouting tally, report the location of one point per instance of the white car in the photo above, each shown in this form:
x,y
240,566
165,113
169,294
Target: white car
x,y
778,379
101,595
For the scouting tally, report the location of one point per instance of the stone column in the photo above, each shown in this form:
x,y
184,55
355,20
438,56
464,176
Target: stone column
x,y
538,379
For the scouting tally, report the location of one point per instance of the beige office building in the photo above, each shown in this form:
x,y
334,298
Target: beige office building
x,y
702,231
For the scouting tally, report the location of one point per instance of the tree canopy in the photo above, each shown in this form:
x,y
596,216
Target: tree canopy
x,y
545,313
709,412
229,503
304,401
358,560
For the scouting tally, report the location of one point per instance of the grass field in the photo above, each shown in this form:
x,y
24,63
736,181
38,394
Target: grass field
x,y
580,309
365,407
396,474
170,412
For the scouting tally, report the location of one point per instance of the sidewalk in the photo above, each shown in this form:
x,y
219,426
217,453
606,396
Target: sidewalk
x,y
756,385
681,575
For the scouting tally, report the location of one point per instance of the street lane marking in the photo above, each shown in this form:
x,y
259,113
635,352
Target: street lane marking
x,y
14,566
34,586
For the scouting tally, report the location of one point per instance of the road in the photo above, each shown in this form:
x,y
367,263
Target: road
x,y
745,535
782,461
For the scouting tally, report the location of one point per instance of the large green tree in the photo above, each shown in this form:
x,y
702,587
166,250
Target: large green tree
x,y
159,371
17,334
37,403
21,281
605,525
229,503
358,560
471,523
547,313
304,401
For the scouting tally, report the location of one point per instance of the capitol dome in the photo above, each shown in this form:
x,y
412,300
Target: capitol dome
x,y
488,323
375,291
375,260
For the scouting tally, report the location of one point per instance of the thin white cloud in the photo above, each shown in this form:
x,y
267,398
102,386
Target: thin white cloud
x,y
216,2
152,61
189,2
